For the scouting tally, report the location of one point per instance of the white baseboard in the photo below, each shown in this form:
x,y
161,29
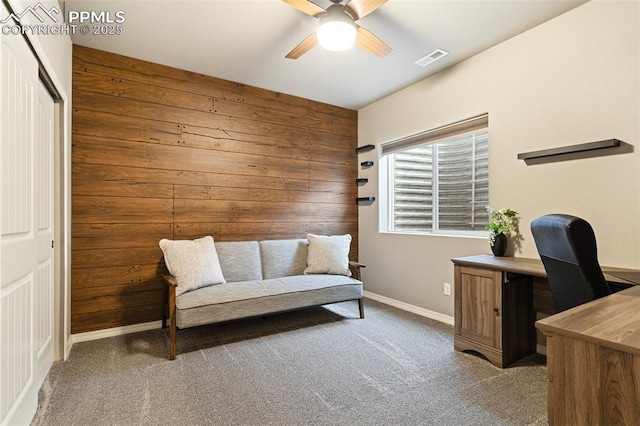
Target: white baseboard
x,y
410,308
116,331
541,349
119,331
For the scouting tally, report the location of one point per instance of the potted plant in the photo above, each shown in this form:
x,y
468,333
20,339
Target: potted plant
x,y
501,223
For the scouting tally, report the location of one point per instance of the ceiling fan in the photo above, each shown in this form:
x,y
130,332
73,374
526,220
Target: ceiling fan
x,y
337,29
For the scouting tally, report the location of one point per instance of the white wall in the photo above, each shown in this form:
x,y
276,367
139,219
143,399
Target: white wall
x,y
572,80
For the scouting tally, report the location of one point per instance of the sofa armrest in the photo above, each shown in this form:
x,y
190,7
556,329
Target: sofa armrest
x,y
355,267
170,280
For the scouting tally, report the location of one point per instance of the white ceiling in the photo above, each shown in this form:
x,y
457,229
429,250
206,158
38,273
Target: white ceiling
x,y
246,41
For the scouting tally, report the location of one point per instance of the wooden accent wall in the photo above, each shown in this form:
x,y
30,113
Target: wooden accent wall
x,y
160,152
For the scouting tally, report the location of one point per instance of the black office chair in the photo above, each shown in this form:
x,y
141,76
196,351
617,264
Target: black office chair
x,y
567,247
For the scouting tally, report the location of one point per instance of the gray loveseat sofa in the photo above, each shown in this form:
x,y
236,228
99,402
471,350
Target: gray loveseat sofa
x,y
262,277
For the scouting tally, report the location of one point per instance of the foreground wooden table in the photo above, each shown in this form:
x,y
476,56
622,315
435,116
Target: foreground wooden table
x,y
593,362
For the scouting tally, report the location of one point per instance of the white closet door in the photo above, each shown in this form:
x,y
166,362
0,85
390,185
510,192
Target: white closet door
x,y
44,192
26,264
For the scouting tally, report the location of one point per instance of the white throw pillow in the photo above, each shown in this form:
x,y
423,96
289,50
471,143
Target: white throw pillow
x,y
194,263
328,254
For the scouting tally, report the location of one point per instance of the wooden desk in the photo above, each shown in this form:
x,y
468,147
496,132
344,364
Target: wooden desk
x,y
495,303
533,267
593,362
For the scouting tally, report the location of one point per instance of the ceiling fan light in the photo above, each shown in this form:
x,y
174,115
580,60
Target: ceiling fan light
x,y
336,34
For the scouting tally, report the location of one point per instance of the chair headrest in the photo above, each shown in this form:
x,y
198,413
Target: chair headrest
x,y
564,237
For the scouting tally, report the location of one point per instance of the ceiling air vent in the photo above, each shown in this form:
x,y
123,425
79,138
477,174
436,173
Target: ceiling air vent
x,y
432,57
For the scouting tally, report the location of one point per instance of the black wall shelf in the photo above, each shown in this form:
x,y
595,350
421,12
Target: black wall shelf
x,y
365,148
609,143
362,181
366,163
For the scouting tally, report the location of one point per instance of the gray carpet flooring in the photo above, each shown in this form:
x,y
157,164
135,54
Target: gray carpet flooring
x,y
320,366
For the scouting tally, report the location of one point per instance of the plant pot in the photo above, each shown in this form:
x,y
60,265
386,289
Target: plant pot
x,y
499,246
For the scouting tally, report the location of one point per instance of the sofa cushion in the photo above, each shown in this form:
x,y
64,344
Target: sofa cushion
x,y
250,298
239,260
194,263
283,258
328,254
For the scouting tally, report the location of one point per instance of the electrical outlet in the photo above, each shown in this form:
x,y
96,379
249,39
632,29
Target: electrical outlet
x,y
447,289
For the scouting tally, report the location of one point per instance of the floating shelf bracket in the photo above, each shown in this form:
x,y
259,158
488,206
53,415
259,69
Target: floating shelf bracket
x,y
365,199
609,143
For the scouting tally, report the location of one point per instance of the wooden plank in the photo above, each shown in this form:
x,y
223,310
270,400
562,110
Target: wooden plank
x,y
290,142
231,145
344,187
214,88
151,93
118,235
333,172
85,300
101,62
334,124
83,99
341,142
113,129
116,126
296,117
221,231
115,318
135,174
90,209
119,188
115,119
244,125
104,258
197,192
92,60
92,150
114,275
259,211
334,153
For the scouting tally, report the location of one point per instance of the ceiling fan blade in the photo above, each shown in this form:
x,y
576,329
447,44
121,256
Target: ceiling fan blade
x,y
372,44
304,46
305,6
361,8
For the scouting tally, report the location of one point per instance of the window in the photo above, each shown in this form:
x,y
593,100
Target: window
x,y
438,181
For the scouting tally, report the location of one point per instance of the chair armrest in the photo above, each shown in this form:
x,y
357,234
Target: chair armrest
x,y
170,280
357,264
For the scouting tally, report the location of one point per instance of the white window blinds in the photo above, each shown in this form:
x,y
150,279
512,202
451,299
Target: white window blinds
x,y
440,184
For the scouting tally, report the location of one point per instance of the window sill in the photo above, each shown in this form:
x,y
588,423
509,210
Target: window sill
x,y
477,235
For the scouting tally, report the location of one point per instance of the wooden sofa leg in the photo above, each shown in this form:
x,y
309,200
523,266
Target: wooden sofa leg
x,y
172,339
172,324
361,307
165,306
